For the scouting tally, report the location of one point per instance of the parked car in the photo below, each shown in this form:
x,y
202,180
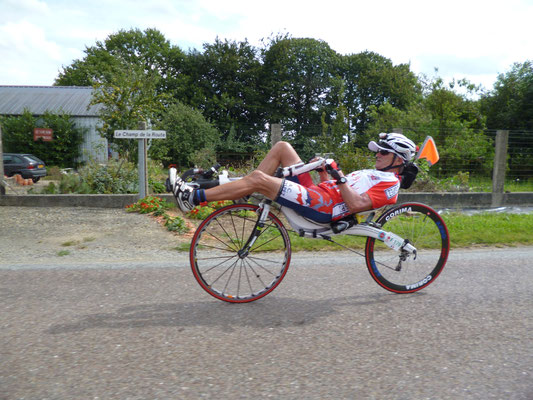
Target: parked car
x,y
27,165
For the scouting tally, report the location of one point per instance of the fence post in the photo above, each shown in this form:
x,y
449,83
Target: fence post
x,y
2,188
275,134
500,164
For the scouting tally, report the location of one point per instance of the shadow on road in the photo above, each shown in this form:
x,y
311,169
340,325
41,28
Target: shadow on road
x,y
272,312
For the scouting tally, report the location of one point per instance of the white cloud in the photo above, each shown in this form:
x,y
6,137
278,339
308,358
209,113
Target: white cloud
x,y
475,38
26,52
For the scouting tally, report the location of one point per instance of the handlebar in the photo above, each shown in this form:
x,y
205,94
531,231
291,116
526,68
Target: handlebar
x,y
200,173
297,169
205,178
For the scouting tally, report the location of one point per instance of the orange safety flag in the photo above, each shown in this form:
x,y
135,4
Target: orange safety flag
x,y
429,151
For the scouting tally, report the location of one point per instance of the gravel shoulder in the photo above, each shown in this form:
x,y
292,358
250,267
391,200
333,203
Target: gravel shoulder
x,y
82,235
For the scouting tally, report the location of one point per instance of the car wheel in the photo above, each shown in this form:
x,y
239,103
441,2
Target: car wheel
x,y
35,180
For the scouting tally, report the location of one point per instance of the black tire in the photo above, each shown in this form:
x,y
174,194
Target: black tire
x,y
426,230
36,179
217,265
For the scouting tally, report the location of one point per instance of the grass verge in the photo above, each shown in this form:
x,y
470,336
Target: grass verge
x,y
478,230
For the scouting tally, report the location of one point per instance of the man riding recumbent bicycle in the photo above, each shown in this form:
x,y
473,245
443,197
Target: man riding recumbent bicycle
x,y
242,252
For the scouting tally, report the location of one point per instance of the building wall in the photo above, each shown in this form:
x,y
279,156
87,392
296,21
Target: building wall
x,y
94,147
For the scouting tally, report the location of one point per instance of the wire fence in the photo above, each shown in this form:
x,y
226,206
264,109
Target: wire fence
x,y
464,153
519,158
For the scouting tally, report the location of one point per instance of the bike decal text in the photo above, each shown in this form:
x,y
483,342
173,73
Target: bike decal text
x,y
418,284
398,212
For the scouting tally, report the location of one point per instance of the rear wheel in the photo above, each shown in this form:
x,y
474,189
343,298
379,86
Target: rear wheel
x,y
227,273
424,228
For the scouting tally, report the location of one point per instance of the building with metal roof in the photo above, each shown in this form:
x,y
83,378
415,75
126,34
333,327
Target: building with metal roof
x,y
72,100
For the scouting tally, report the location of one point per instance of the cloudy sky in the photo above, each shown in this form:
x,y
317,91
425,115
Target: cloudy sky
x,y
473,39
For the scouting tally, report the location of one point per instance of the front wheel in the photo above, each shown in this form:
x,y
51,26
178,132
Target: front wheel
x,y
424,228
225,271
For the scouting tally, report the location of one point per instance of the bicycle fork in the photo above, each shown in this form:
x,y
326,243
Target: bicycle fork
x,y
264,206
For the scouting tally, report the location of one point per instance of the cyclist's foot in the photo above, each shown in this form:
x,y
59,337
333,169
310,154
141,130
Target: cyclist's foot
x,y
184,195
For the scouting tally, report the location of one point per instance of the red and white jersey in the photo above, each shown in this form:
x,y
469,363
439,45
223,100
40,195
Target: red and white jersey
x,y
381,187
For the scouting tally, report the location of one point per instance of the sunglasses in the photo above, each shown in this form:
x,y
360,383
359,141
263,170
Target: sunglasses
x,y
384,152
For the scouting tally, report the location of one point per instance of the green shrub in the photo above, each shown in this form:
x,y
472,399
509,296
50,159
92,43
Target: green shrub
x,y
118,177
53,173
156,206
176,224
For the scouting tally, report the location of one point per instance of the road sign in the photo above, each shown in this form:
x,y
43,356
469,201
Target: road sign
x,y
140,134
46,134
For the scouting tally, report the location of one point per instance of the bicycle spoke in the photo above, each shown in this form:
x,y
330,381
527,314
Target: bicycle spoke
x,y
224,243
258,276
218,265
227,234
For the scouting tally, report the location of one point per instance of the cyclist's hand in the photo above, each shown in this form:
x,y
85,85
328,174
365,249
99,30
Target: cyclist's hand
x,y
332,168
331,164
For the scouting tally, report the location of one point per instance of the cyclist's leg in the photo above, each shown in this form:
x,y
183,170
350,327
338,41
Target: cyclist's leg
x,y
257,181
308,200
282,153
260,180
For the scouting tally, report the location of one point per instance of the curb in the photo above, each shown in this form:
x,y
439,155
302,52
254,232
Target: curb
x,y
435,200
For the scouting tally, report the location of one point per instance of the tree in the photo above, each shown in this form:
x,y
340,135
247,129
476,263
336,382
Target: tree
x,y
452,119
133,73
297,82
225,86
372,80
187,132
128,96
148,50
337,132
509,104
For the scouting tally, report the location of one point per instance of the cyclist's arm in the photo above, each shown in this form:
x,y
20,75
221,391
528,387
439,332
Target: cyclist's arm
x,y
354,201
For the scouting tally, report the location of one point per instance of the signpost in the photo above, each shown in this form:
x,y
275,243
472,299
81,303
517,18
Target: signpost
x,y
142,135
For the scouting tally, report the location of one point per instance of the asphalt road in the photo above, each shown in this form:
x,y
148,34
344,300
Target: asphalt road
x,y
141,328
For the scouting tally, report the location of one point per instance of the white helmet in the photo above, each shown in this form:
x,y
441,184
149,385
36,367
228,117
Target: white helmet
x,y
395,143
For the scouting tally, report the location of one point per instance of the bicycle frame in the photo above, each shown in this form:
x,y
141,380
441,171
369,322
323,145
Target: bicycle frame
x,y
314,230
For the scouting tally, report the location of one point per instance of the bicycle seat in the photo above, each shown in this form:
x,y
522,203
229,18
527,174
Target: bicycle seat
x,y
344,223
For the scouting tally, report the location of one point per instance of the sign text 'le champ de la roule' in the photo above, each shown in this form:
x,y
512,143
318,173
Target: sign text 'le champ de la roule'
x,y
140,134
